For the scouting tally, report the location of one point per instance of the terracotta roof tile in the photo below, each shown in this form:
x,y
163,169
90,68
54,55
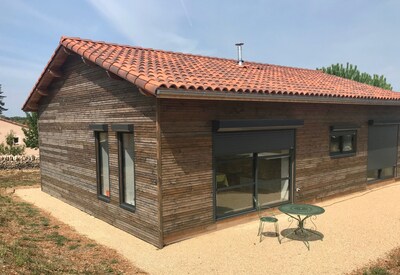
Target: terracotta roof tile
x,y
153,69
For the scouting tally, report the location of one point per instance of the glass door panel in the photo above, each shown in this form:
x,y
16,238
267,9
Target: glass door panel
x,y
273,178
235,183
234,200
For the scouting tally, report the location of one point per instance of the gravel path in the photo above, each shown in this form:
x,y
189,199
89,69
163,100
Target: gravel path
x,y
357,228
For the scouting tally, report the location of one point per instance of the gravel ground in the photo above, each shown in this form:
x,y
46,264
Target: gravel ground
x,y
358,228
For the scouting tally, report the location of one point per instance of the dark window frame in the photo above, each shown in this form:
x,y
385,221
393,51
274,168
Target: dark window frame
x,y
100,128
16,140
340,133
121,129
248,130
255,168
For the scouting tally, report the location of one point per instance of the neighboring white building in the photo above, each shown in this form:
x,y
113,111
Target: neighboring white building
x,y
6,126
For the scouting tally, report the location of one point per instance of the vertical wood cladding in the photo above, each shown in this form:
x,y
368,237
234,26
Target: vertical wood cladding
x,y
186,142
85,95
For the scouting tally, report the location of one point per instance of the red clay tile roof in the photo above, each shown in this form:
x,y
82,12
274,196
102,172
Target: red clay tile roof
x,y
152,70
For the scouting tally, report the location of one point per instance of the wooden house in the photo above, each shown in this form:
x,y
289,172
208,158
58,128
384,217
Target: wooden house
x,y
165,145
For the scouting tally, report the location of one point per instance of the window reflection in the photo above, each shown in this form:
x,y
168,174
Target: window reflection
x,y
128,169
347,143
234,179
342,142
234,170
240,177
234,200
273,180
335,144
104,166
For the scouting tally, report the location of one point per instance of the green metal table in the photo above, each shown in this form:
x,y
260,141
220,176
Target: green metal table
x,y
300,213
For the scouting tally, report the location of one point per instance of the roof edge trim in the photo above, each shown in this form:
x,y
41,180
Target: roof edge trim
x,y
217,95
28,107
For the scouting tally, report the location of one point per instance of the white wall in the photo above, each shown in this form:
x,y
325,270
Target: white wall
x,y
6,127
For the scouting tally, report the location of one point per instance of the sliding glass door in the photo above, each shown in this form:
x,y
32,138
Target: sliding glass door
x,y
240,177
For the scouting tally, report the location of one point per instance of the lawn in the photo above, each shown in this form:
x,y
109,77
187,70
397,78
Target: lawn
x,y
383,266
32,242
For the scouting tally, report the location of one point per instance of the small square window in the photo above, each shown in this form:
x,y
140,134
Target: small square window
x,y
16,140
342,143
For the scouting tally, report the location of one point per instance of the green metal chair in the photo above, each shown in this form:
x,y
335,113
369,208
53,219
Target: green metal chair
x,y
266,219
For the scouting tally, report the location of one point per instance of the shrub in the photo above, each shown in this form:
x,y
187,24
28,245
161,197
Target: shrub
x,y
10,148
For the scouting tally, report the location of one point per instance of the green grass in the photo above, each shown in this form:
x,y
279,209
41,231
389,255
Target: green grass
x,y
30,243
73,246
376,271
58,239
45,221
15,178
114,261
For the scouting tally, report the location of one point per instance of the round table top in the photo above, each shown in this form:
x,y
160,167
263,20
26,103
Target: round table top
x,y
301,209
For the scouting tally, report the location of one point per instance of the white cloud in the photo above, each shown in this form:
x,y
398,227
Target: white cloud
x,y
29,10
148,23
186,13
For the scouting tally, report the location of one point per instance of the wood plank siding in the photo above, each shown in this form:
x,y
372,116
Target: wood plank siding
x,y
174,150
83,96
186,144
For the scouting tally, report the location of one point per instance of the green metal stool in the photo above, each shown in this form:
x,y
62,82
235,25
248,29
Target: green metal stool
x,y
266,219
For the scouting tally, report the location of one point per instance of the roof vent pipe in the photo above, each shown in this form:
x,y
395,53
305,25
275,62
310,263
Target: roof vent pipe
x,y
239,49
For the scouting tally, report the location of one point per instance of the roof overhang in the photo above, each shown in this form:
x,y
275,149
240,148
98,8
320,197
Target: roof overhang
x,y
150,87
51,71
260,97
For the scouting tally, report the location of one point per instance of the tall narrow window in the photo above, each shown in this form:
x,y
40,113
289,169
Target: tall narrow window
x,y
103,171
126,165
128,169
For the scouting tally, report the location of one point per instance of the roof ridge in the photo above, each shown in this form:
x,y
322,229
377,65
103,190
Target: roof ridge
x,y
253,63
12,121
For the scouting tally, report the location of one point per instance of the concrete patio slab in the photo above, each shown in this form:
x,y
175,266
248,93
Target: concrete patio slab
x,y
358,228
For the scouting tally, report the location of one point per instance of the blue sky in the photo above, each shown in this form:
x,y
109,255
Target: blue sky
x,y
307,33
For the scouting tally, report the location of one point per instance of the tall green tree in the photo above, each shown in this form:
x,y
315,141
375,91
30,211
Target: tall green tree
x,y
31,133
2,109
351,72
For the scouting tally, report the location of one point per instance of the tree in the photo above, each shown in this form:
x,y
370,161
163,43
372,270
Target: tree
x,y
31,133
19,119
351,72
2,109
